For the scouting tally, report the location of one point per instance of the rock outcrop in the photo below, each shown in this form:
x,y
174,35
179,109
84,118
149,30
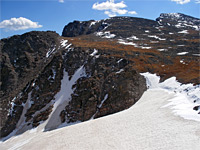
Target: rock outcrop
x,y
22,60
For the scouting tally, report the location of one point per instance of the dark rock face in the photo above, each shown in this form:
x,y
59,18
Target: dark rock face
x,y
37,64
22,60
110,86
115,25
83,28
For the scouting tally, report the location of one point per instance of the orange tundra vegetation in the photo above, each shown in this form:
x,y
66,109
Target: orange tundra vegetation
x,y
147,60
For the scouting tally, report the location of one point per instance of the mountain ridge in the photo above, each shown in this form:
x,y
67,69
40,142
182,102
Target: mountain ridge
x,y
99,60
101,24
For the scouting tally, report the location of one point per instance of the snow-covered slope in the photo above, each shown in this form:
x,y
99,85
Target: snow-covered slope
x,y
186,97
149,124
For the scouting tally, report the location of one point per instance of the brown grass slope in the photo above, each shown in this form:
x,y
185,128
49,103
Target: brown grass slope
x,y
147,60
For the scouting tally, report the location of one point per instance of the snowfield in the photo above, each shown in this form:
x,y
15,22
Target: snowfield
x,y
163,119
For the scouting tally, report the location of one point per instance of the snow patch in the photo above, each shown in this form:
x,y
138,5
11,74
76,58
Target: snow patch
x,y
154,41
174,15
156,37
182,61
119,71
12,106
105,98
93,23
162,49
99,106
182,53
183,24
54,74
178,25
127,43
132,38
50,51
143,47
64,43
106,34
196,54
94,52
183,32
119,60
121,41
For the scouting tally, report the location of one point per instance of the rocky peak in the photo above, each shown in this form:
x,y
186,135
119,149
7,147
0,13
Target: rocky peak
x,y
171,15
114,24
76,28
126,26
178,16
179,20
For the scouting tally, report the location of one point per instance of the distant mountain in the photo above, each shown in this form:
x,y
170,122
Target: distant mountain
x,y
179,20
171,21
92,70
174,29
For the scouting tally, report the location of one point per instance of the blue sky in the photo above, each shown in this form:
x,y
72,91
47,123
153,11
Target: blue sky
x,y
42,15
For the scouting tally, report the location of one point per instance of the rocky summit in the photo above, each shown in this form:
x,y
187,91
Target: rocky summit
x,y
92,70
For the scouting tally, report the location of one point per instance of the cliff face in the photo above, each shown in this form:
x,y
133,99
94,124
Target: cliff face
x,y
108,86
57,83
22,60
93,70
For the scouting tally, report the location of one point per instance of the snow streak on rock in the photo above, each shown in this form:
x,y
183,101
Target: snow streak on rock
x,y
106,34
21,125
94,52
182,53
50,52
63,97
65,44
100,105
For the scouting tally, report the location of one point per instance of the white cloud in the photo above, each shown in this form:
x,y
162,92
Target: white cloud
x,y
197,1
132,12
61,1
19,24
111,8
110,14
181,1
